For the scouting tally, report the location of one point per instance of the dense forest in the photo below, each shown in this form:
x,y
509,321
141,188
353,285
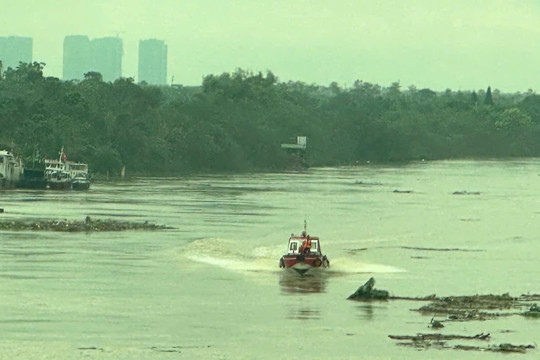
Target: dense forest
x,y
237,121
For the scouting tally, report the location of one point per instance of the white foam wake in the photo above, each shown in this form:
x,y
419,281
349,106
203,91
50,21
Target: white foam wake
x,y
236,256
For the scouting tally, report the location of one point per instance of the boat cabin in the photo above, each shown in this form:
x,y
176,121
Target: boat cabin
x,y
295,242
79,170
63,170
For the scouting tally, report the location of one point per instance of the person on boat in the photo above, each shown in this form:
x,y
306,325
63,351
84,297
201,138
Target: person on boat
x,y
306,246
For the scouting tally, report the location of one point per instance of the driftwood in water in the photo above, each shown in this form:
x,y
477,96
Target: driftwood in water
x,y
458,308
367,292
534,311
425,341
368,183
505,348
410,298
87,225
439,337
466,193
477,307
530,297
436,324
438,344
436,249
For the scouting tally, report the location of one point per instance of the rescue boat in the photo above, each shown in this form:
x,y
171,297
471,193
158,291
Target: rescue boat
x,y
304,254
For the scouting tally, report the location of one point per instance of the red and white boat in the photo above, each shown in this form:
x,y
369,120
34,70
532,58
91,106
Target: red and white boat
x,y
304,253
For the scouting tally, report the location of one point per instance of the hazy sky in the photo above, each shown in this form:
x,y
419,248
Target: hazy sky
x,y
457,44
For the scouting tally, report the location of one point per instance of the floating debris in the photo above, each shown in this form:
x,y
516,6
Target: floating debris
x,y
530,297
87,225
397,191
508,348
436,324
439,337
166,350
534,311
426,341
437,249
177,349
466,193
368,183
461,308
367,292
458,308
354,251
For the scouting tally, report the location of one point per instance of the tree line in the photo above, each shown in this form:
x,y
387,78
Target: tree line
x,y
237,121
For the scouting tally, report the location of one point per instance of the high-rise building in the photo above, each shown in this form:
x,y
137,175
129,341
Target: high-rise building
x,y
107,57
15,49
153,62
77,57
82,55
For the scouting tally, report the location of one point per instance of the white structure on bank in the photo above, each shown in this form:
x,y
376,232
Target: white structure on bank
x,y
11,169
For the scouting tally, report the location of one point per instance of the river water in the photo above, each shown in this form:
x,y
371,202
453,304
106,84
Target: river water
x,y
211,288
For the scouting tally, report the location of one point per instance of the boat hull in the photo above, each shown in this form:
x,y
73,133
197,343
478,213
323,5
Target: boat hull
x,y
80,185
33,179
32,184
303,263
53,185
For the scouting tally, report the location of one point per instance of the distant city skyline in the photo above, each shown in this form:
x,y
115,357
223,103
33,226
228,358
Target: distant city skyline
x,y
436,44
152,62
103,55
77,57
107,53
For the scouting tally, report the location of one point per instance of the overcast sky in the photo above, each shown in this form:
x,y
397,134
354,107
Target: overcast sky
x,y
439,44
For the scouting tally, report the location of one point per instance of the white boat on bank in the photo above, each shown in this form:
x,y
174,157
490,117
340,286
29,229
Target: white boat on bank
x,y
62,174
11,169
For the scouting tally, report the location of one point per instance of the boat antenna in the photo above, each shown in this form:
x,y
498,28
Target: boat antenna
x,y
305,226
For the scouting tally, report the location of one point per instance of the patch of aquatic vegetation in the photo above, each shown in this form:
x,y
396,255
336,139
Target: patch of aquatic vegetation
x,y
86,225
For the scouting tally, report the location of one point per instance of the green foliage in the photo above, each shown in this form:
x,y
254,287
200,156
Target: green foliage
x,y
237,121
513,120
531,106
489,99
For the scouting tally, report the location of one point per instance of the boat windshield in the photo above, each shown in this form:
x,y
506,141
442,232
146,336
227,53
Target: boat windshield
x,y
293,246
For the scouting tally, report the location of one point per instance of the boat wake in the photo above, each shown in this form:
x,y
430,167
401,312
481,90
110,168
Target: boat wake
x,y
236,256
232,255
346,265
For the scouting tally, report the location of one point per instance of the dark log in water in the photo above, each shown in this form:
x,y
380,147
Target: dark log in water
x,y
426,341
436,249
86,225
367,292
505,348
437,336
534,311
466,193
